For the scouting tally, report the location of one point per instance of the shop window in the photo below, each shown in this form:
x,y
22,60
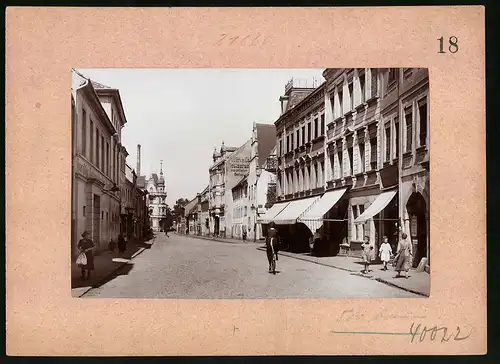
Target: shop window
x,y
422,113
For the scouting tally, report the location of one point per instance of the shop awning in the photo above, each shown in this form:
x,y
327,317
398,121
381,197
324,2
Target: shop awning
x,y
272,212
378,205
313,218
291,213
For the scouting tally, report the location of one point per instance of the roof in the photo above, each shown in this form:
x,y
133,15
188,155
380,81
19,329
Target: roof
x,y
266,138
154,176
188,208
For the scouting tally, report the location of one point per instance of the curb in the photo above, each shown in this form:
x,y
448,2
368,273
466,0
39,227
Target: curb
x,y
96,284
381,280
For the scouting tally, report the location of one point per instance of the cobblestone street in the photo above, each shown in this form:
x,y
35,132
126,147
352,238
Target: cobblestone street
x,y
185,267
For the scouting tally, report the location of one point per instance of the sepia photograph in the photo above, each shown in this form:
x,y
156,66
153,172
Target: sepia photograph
x,y
212,183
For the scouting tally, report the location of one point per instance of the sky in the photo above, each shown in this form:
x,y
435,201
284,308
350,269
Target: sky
x,y
180,115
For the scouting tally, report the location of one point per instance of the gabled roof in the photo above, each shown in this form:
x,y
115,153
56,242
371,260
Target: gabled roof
x,y
266,139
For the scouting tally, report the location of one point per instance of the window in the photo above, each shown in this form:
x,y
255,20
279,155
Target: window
x,y
373,153
102,215
341,101
309,132
288,143
107,159
388,143
392,76
361,157
102,154
107,215
332,102
323,124
308,184
97,154
84,132
83,210
91,157
409,129
396,131
362,86
422,114
280,150
407,73
297,138
374,90
316,130
303,135
351,96
350,154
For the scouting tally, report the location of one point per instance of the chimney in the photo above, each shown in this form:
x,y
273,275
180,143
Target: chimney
x,y
138,159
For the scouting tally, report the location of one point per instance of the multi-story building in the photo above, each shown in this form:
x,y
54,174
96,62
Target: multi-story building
x,y
129,201
98,160
203,213
300,134
259,179
157,200
240,213
230,166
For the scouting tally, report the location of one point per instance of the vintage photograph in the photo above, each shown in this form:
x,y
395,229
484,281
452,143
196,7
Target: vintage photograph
x,y
250,183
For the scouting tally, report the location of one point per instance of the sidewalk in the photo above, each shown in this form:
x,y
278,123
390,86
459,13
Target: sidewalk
x,y
105,264
418,283
223,240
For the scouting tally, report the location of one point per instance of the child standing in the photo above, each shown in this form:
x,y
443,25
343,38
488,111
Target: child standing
x,y
385,252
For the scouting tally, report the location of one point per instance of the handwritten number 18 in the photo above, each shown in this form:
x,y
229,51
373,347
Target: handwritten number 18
x,y
453,44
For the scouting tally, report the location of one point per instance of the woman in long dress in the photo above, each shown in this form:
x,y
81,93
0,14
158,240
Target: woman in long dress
x,y
404,255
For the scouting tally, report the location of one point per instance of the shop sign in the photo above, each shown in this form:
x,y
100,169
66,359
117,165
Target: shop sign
x,y
239,166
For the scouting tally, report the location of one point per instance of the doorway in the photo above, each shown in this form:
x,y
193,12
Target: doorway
x,y
417,210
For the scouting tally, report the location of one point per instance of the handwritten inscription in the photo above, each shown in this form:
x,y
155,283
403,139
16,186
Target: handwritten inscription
x,y
243,40
442,334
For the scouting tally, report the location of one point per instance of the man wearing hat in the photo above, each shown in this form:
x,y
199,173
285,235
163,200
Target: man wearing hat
x,y
86,245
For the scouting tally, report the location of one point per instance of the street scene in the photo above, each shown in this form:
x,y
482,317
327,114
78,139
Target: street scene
x,y
250,183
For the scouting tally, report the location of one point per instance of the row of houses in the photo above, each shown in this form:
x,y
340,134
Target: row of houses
x,y
106,198
346,159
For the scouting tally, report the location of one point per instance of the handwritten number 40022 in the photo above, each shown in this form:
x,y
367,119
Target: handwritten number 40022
x,y
452,47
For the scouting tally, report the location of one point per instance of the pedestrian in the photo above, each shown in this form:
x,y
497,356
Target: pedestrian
x,y
367,254
111,245
86,246
122,244
385,252
244,233
403,256
166,233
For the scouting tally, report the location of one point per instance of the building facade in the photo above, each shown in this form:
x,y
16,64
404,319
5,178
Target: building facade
x,y
128,195
240,214
98,157
230,165
157,200
368,175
